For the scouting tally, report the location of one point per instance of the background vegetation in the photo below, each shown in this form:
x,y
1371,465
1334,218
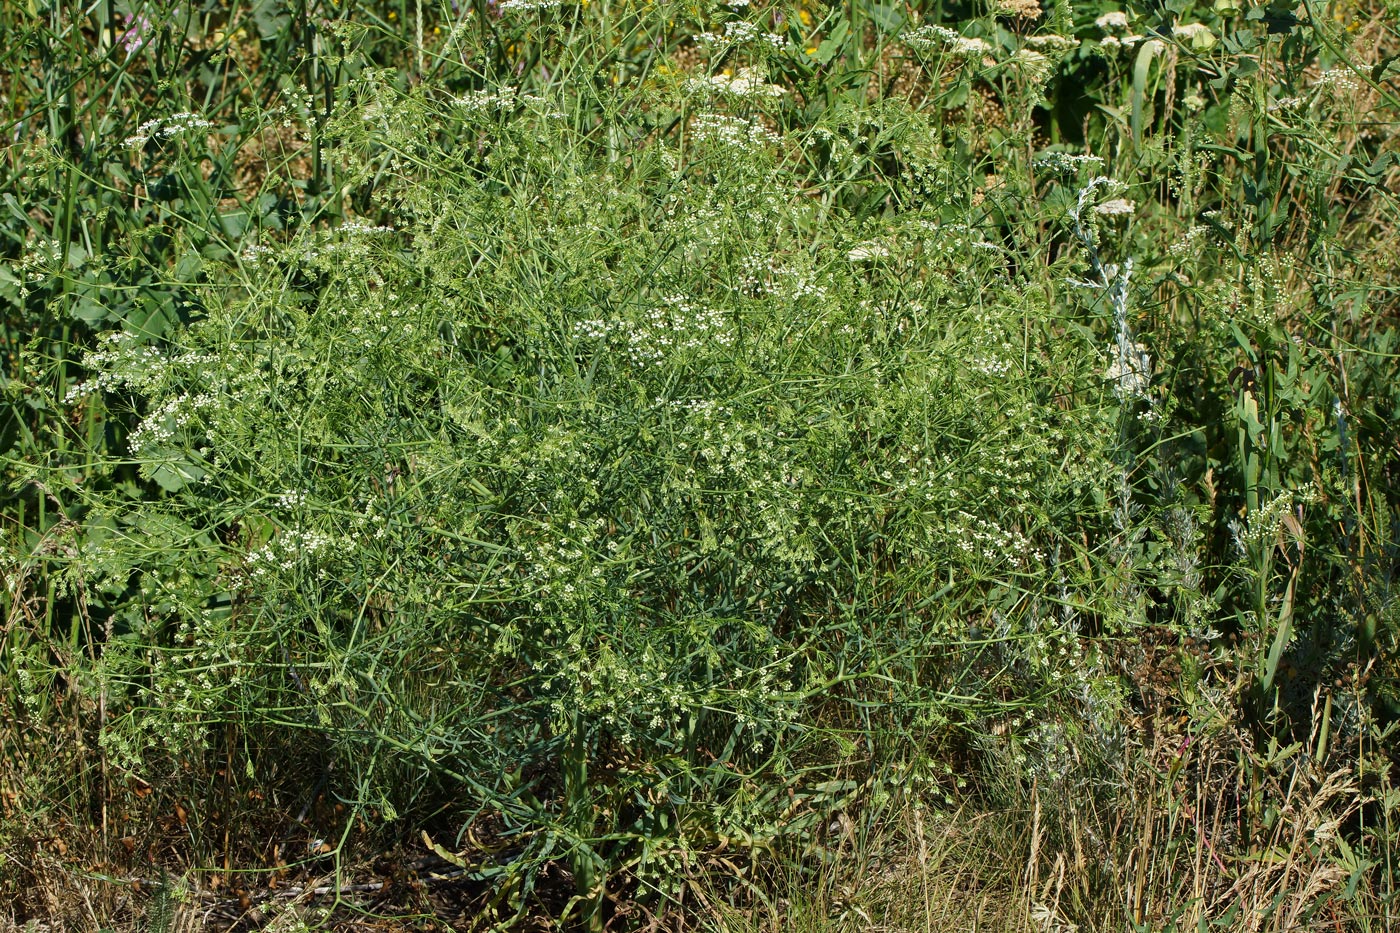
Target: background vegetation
x,y
742,466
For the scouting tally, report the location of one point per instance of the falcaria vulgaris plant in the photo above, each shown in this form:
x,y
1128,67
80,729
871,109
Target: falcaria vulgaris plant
x,y
603,497
624,448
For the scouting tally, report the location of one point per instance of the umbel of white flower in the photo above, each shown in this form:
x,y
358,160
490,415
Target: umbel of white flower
x,y
1115,207
749,82
1130,371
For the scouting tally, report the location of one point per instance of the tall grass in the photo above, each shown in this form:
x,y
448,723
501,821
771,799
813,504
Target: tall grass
x,y
703,464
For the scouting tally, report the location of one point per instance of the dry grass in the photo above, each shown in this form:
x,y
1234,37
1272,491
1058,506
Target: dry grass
x,y
1202,833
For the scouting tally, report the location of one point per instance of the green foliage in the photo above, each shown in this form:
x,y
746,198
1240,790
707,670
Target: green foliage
x,y
628,432
585,490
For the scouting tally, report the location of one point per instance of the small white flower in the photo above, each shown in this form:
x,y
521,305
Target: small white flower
x,y
747,83
867,251
934,38
527,6
1130,370
1066,163
1116,19
971,48
1053,43
168,128
1033,65
1337,78
1115,207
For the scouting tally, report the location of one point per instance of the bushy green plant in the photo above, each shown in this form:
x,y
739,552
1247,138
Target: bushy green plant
x,y
595,490
641,433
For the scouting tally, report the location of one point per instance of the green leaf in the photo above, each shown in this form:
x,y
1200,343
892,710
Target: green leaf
x,y
1141,69
1378,72
1282,636
188,266
271,17
888,18
172,476
831,46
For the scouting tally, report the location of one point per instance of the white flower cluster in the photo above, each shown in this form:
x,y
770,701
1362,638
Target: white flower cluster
x,y
158,428
1115,207
989,365
1025,9
193,360
760,276
705,407
1186,244
739,32
359,226
940,38
339,250
624,693
257,253
1054,44
282,552
1112,21
867,251
734,132
488,100
120,362
1032,65
527,6
990,542
1065,163
677,326
1114,42
172,126
749,82
564,564
291,499
1338,79
45,256
78,390
1261,527
1130,371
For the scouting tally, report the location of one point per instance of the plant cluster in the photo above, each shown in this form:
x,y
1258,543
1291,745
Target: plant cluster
x,y
653,451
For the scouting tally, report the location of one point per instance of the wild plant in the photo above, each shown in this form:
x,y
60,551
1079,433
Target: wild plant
x,y
631,444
